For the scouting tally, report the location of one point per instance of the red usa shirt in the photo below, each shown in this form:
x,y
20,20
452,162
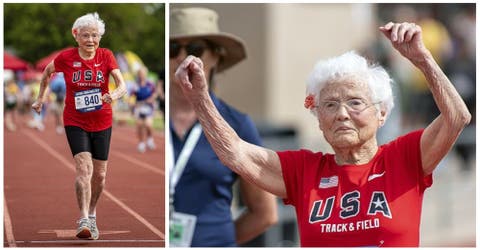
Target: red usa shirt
x,y
86,81
374,204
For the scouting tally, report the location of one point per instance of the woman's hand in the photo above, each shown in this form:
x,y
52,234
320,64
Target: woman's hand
x,y
107,98
191,77
37,106
406,38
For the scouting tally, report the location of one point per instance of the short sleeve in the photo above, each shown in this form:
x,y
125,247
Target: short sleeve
x,y
59,63
293,165
408,148
112,62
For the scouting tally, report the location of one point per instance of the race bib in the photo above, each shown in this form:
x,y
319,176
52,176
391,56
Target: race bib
x,y
182,227
88,100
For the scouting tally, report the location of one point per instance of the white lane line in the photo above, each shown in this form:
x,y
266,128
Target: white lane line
x,y
138,162
106,192
135,214
8,225
70,233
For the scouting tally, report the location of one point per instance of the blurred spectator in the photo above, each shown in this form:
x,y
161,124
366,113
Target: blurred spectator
x,y
463,30
58,88
37,118
11,97
145,94
26,98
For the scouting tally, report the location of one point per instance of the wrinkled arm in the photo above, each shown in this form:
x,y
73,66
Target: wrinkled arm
x,y
256,164
260,214
440,135
45,79
120,90
37,105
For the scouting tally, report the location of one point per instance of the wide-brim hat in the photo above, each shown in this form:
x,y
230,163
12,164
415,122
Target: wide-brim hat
x,y
203,23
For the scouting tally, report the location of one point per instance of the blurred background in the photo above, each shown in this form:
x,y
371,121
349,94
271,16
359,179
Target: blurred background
x,y
285,43
35,33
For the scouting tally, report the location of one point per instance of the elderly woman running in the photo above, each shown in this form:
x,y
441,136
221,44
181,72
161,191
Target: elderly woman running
x,y
364,194
87,116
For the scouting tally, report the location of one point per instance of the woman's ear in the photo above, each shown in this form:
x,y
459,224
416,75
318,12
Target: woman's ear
x,y
382,118
74,33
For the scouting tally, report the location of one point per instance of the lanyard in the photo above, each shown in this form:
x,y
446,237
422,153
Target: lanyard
x,y
177,169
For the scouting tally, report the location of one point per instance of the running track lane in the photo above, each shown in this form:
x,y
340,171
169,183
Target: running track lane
x,y
40,207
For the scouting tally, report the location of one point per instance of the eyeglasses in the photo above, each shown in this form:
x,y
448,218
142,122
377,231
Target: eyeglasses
x,y
86,36
196,48
352,105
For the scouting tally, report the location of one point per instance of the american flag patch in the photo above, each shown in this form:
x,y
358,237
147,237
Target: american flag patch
x,y
77,64
328,182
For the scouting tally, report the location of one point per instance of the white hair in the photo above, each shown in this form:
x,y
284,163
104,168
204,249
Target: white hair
x,y
351,64
89,20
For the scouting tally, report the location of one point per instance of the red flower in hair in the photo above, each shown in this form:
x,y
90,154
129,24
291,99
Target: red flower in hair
x,y
309,102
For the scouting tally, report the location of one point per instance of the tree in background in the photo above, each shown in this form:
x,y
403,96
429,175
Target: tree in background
x,y
34,30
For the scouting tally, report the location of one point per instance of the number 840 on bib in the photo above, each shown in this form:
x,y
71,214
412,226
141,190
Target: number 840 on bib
x,y
88,100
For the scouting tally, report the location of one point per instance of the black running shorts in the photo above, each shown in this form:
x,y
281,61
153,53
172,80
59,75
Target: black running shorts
x,y
97,143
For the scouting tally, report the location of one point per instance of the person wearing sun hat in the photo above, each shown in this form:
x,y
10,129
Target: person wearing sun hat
x,y
200,185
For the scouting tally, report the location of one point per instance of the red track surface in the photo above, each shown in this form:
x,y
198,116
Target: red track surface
x,y
40,208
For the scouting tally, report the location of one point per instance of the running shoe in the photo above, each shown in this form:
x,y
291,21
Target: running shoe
x,y
11,126
40,126
83,230
141,147
59,130
151,143
95,234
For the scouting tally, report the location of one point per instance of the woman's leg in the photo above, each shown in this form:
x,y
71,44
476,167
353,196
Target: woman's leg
x,y
97,184
84,171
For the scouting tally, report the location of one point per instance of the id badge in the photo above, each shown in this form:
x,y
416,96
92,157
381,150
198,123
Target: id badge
x,y
88,100
182,227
